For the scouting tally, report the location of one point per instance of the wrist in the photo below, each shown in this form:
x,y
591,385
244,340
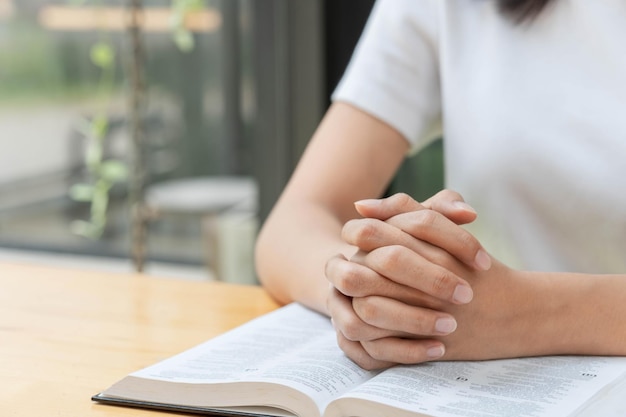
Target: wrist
x,y
509,317
557,313
521,313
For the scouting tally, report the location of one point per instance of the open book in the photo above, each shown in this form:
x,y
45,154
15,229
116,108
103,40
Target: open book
x,y
287,363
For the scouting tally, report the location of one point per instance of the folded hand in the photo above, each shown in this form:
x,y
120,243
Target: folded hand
x,y
396,298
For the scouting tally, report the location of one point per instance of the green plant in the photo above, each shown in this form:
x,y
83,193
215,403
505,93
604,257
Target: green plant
x,y
183,38
103,173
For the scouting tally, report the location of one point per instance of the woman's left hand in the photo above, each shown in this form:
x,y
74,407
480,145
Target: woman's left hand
x,y
382,316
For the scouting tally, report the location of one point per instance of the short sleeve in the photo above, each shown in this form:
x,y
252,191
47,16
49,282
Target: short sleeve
x,y
394,72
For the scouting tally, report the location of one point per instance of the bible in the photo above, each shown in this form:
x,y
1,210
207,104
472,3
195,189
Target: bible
x,y
287,363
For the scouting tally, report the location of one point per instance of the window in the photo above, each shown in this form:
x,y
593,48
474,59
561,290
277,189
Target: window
x,y
64,78
234,90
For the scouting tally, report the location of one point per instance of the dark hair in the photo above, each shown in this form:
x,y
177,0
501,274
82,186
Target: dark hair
x,y
522,10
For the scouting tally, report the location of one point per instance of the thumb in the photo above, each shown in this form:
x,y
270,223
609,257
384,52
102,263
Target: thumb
x,y
386,208
452,205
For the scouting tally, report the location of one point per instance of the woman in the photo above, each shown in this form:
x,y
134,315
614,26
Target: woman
x,y
530,97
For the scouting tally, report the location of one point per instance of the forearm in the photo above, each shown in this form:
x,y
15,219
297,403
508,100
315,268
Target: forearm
x,y
585,314
292,250
518,313
351,156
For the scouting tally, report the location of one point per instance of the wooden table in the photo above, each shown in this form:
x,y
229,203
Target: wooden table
x,y
67,334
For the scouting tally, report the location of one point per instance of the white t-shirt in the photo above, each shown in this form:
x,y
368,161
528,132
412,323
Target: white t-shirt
x,y
533,117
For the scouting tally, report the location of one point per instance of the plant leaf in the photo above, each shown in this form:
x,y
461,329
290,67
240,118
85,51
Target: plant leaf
x,y
184,39
102,55
81,192
114,170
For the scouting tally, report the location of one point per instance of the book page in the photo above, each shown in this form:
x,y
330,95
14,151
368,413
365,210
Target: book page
x,y
293,346
609,403
527,387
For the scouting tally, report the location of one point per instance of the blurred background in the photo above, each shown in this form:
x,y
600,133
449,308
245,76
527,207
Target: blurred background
x,y
231,92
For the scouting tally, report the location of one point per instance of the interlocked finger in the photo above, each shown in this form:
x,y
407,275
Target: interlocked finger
x,y
404,351
348,322
434,228
354,279
357,353
387,313
403,266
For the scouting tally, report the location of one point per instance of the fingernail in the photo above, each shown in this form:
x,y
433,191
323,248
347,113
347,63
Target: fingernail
x,y
463,294
371,202
482,260
445,325
463,206
435,352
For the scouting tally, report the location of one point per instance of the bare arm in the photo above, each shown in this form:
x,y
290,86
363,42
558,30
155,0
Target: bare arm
x,y
352,156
